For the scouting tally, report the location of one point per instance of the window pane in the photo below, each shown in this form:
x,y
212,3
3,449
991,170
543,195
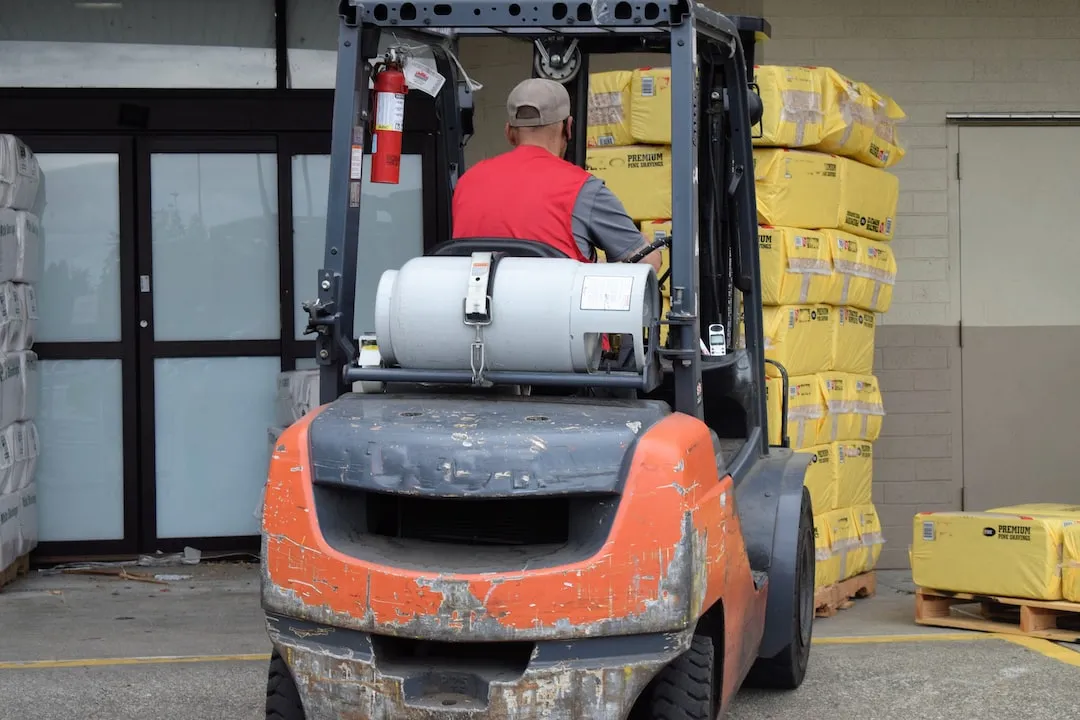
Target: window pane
x,y
215,240
391,231
80,469
145,43
211,421
79,297
312,32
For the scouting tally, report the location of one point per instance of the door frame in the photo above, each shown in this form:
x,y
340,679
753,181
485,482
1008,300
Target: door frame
x,y
151,349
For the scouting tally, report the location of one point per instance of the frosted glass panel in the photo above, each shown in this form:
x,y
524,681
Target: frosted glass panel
x,y
215,240
79,296
211,419
391,231
80,471
140,43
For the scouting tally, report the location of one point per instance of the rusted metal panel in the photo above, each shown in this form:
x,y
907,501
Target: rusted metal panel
x,y
663,562
349,683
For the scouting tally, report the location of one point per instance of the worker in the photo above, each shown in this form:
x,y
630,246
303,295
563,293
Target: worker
x,y
532,193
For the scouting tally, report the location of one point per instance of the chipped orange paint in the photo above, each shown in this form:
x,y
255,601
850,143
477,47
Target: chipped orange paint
x,y
629,581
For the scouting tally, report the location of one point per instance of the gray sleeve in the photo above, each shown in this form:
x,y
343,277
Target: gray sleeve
x,y
601,221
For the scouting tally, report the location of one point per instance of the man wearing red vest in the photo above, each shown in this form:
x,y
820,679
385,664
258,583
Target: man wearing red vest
x,y
532,193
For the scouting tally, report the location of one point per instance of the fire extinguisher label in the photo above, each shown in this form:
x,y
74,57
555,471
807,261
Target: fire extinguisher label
x,y
390,112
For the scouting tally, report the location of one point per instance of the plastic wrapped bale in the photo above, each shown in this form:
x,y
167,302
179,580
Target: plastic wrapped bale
x,y
639,175
797,188
864,272
609,109
796,266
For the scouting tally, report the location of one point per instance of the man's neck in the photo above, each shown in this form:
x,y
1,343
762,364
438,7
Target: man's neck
x,y
540,146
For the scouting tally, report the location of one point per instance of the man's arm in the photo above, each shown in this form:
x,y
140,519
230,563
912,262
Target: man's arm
x,y
600,220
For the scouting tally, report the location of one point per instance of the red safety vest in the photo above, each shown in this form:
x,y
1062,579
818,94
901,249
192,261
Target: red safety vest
x,y
524,194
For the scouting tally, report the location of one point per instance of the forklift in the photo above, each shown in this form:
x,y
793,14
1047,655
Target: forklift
x,y
494,513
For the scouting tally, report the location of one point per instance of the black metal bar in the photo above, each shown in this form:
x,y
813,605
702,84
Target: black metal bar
x,y
746,199
281,44
784,441
579,101
459,377
337,279
464,15
684,218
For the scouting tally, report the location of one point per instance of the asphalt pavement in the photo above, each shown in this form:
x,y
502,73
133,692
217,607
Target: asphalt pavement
x,y
73,648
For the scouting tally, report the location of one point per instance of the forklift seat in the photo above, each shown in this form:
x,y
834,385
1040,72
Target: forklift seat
x,y
503,246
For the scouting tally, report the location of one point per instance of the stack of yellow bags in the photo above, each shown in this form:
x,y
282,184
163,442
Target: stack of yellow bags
x,y
826,214
629,148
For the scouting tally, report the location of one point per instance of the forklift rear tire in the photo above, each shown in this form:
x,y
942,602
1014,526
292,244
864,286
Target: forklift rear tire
x,y
786,670
282,697
686,688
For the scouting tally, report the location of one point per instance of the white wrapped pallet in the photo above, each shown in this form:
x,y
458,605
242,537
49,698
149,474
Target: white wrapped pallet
x,y
28,302
298,393
20,174
28,520
12,318
10,529
20,246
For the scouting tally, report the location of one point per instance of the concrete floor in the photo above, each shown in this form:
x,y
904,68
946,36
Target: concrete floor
x,y
120,650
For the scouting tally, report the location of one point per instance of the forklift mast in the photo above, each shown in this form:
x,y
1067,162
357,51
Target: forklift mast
x,y
714,223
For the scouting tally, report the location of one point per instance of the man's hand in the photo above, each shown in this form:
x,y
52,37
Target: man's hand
x,y
654,259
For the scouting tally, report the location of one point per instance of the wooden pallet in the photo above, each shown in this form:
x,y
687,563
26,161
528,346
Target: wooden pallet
x,y
1050,620
13,572
832,599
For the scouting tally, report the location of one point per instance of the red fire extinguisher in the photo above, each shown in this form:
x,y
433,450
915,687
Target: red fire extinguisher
x,y
389,114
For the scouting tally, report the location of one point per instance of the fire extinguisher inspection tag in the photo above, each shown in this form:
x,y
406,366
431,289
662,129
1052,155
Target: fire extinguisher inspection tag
x,y
421,76
390,112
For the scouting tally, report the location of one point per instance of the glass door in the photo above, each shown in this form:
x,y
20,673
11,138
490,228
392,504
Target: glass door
x,y
87,418
209,323
392,222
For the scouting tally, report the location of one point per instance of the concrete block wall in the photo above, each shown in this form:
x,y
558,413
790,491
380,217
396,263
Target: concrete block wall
x,y
933,57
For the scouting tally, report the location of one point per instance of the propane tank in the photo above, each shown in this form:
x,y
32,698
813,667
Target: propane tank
x,y
390,90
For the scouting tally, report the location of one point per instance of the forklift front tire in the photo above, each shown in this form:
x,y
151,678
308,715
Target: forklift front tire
x,y
787,669
686,689
282,697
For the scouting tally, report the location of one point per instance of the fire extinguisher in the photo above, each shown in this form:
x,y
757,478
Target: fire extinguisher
x,y
389,114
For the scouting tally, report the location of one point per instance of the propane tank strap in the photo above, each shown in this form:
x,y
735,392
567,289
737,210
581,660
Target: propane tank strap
x,y
478,291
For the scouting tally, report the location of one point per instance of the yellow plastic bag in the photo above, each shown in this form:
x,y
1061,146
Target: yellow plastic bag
x,y
650,106
640,176
861,122
797,188
654,230
806,411
846,541
864,272
822,478
854,473
609,109
802,338
794,107
1070,559
796,266
868,527
988,553
853,341
854,407
827,567
1069,516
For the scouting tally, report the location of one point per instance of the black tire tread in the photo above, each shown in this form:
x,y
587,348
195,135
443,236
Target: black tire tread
x,y
684,689
282,697
784,671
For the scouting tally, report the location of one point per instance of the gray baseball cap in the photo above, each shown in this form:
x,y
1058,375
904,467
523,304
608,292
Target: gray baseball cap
x,y
537,102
